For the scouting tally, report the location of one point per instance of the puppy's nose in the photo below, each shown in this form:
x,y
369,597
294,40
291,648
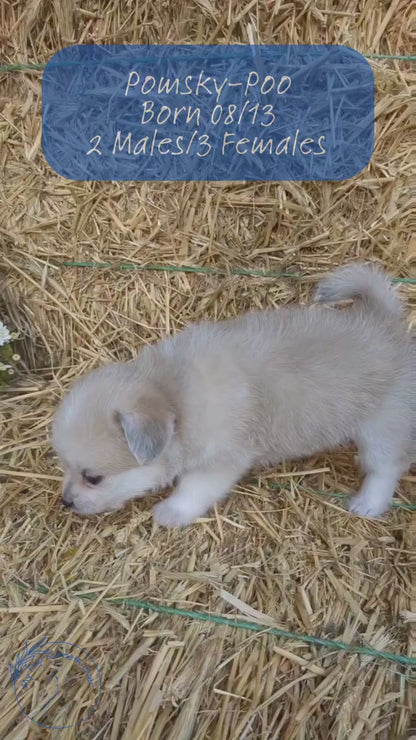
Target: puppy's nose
x,y
66,499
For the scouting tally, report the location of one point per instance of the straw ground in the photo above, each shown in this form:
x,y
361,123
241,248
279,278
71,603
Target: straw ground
x,y
278,552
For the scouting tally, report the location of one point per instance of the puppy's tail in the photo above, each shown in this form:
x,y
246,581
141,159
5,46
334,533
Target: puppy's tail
x,y
365,282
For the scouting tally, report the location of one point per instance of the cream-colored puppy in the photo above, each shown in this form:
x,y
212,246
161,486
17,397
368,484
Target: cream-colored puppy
x,y
201,408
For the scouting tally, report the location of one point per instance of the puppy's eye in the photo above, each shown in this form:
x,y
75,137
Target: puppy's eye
x,y
93,480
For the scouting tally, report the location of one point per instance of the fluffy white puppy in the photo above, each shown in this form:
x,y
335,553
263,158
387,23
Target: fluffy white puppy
x,y
201,408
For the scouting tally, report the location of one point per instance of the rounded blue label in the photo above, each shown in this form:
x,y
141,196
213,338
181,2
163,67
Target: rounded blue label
x,y
208,112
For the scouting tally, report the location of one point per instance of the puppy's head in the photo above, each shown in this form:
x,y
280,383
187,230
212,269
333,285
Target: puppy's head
x,y
111,425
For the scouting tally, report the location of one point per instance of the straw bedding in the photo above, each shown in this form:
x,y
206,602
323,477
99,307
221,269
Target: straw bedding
x,y
278,551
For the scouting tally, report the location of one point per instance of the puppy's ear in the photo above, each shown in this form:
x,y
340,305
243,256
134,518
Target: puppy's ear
x,y
147,430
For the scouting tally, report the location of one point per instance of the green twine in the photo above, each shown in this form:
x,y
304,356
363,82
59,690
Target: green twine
x,y
21,67
252,626
330,494
399,57
198,270
395,504
180,268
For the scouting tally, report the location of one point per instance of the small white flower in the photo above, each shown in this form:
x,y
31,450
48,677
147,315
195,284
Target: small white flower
x,y
16,358
5,335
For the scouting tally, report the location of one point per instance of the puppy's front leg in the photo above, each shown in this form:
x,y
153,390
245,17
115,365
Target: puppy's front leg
x,y
195,494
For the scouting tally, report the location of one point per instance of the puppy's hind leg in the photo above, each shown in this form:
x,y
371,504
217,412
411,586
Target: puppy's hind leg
x,y
195,494
377,491
382,458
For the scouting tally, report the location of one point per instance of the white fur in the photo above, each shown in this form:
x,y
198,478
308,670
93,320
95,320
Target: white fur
x,y
203,407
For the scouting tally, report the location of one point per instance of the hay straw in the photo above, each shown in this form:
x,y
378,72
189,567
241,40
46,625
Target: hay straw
x,y
282,553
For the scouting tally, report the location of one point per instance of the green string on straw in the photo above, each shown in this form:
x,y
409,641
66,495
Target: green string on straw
x,y
255,627
398,57
342,496
239,624
22,67
197,270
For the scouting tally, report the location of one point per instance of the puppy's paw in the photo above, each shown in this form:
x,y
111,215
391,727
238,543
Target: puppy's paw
x,y
170,513
366,506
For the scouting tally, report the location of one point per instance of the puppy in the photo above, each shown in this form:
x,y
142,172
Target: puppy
x,y
201,408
